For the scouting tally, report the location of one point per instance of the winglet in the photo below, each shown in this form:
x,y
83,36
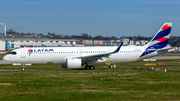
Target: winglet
x,y
117,50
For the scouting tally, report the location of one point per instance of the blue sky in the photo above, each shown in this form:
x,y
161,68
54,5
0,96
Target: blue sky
x,y
94,17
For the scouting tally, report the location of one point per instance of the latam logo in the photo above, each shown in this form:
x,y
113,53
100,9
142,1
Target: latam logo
x,y
39,50
43,50
30,51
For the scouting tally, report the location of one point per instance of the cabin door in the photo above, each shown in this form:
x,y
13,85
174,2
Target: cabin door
x,y
23,53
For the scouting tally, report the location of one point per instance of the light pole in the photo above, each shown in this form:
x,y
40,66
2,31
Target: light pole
x,y
4,28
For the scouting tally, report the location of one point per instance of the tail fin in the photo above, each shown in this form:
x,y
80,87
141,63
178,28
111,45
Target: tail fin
x,y
160,39
8,45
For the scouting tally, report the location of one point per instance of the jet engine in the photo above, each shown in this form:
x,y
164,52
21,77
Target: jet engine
x,y
72,63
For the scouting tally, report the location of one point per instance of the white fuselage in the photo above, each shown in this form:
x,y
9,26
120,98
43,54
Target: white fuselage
x,y
59,54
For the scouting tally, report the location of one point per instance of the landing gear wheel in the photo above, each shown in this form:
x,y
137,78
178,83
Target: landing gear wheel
x,y
92,67
87,67
23,69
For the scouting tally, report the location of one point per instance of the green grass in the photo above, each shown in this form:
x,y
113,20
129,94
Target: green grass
x,y
51,82
1,56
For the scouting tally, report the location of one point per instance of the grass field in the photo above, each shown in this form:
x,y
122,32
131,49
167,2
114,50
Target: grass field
x,y
1,56
51,82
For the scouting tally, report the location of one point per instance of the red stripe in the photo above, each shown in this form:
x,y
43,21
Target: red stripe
x,y
162,39
165,27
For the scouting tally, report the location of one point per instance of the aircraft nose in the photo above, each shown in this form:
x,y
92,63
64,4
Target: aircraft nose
x,y
5,58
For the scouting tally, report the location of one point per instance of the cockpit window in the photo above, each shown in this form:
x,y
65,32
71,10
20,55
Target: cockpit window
x,y
13,53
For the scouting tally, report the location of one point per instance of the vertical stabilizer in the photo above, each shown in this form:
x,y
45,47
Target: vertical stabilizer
x,y
8,45
160,39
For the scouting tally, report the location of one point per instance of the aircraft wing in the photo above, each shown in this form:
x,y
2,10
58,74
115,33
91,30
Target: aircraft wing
x,y
99,56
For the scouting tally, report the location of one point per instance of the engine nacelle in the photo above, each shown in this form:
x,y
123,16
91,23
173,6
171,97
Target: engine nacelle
x,y
72,63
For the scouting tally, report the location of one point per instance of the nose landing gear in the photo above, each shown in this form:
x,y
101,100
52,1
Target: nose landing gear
x,y
23,67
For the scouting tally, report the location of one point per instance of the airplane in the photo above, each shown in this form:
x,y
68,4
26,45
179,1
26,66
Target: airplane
x,y
75,57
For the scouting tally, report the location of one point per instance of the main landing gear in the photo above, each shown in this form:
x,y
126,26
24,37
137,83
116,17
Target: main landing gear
x,y
89,67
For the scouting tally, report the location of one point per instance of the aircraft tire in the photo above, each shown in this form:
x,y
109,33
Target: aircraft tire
x,y
87,67
23,69
92,67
